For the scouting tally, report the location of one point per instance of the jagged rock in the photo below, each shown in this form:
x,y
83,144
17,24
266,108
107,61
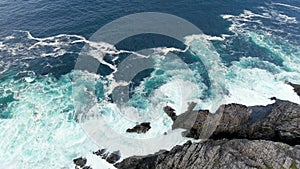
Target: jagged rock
x,y
295,86
170,112
215,154
100,152
109,157
80,161
104,156
192,122
140,128
279,121
228,121
113,157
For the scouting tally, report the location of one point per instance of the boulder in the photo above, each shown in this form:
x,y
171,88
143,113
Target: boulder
x,y
140,128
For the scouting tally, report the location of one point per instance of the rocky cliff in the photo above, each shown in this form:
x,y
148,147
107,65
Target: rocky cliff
x,y
279,121
214,154
236,136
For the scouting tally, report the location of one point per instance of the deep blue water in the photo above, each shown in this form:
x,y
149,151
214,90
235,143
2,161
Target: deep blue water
x,y
248,49
46,18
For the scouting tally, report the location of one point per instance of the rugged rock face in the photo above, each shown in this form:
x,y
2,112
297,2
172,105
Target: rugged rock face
x,y
295,86
278,122
236,153
236,136
140,128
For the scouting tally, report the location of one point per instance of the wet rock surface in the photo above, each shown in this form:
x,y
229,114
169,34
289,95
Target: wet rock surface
x,y
109,157
140,128
295,86
170,112
80,163
113,157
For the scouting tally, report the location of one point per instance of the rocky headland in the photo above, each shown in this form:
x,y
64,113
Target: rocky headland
x,y
236,136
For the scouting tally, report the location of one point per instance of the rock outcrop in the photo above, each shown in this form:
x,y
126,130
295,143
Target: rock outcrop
x,y
279,121
113,157
236,136
295,86
215,154
170,112
140,128
109,157
102,153
80,163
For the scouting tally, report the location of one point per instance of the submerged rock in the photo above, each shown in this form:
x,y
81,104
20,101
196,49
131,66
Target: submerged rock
x,y
140,128
215,154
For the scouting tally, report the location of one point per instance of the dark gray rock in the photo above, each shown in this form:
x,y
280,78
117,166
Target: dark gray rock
x,y
100,152
80,161
215,154
170,112
260,137
113,157
140,128
109,157
277,122
295,86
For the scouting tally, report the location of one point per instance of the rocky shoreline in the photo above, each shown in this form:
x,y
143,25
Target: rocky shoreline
x,y
214,154
279,122
237,136
245,137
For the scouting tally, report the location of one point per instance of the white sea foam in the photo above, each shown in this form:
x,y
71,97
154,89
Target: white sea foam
x,y
254,86
287,5
98,163
207,37
39,134
9,37
252,81
241,22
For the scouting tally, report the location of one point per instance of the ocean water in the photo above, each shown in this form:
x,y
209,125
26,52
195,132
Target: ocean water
x,y
52,112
